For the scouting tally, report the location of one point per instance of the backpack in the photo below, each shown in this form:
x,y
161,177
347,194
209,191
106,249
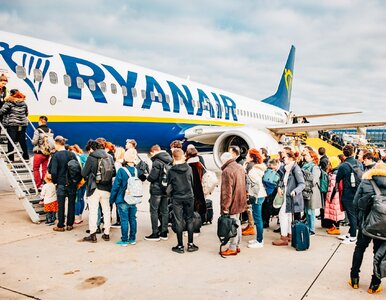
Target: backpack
x,y
253,182
209,181
324,181
309,182
134,193
47,146
163,177
270,180
355,176
226,229
375,224
143,169
74,171
105,171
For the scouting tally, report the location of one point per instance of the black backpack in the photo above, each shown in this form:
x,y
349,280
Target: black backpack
x,y
74,171
163,177
355,176
375,224
226,229
143,169
309,184
105,171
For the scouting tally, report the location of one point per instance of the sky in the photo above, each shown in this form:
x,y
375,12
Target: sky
x,y
238,46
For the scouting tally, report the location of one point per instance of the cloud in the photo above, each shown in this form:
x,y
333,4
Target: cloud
x,y
237,46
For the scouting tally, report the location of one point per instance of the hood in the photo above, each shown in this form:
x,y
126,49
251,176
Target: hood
x,y
227,163
180,168
378,174
99,153
14,99
163,156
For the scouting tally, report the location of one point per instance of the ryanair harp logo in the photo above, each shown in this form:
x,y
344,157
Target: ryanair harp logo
x,y
30,60
288,81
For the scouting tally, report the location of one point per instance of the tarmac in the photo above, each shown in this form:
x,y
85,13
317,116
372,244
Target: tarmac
x,y
38,263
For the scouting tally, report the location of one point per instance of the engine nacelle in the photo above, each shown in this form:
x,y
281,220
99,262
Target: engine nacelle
x,y
245,138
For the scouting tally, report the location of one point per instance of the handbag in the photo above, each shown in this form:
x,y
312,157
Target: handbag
x,y
209,181
278,201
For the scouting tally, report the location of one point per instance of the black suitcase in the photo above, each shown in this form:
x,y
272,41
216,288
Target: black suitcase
x,y
300,236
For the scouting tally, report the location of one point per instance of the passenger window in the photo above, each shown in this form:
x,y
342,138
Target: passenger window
x,y
113,88
20,72
79,82
181,101
67,80
134,92
38,75
160,97
53,78
103,86
124,90
91,84
152,96
167,99
143,93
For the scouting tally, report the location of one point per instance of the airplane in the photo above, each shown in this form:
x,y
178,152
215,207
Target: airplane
x,y
86,95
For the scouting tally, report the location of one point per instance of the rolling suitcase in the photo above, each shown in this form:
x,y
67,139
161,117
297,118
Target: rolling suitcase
x,y
300,234
207,218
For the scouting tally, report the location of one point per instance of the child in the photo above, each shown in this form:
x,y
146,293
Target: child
x,y
127,212
180,189
49,198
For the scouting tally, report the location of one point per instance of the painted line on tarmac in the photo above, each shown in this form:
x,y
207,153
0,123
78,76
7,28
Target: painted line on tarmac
x,y
13,291
316,278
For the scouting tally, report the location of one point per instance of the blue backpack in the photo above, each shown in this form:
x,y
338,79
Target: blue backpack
x,y
270,180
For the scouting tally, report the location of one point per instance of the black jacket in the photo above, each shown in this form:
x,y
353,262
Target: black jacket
x,y
90,170
324,162
180,182
363,200
58,166
158,160
344,173
15,112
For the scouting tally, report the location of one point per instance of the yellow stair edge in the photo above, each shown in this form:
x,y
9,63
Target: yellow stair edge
x,y
316,143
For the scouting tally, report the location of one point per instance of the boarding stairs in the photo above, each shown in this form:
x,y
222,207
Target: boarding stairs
x,y
20,177
332,149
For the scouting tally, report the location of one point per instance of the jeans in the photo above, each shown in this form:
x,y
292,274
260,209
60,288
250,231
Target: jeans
x,y
128,217
50,217
17,134
159,203
40,160
349,207
62,192
258,218
79,204
362,243
183,212
310,215
235,241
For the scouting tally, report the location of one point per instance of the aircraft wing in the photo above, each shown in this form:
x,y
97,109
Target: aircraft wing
x,y
294,128
326,115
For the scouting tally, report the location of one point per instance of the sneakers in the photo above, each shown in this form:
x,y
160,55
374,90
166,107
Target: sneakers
x,y
248,231
132,242
228,252
122,243
333,231
374,288
91,238
116,225
252,241
106,237
153,237
178,249
354,282
256,245
349,241
192,248
163,236
343,237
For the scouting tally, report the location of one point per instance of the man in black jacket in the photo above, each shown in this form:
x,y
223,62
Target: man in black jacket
x,y
158,199
180,189
323,161
97,191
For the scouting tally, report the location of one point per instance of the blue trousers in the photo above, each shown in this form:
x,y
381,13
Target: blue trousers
x,y
79,204
128,215
258,217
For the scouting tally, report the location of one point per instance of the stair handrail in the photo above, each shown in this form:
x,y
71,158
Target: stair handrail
x,y
33,127
16,151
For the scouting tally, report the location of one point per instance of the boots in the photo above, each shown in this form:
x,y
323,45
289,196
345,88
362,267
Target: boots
x,y
91,238
283,241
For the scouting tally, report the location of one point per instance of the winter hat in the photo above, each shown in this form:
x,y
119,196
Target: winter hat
x,y
335,161
130,155
15,94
